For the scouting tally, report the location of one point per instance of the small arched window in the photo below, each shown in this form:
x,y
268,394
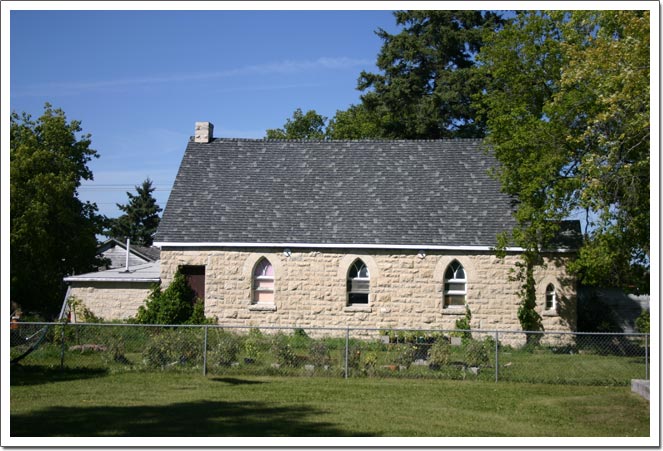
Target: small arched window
x,y
455,285
358,283
263,283
551,297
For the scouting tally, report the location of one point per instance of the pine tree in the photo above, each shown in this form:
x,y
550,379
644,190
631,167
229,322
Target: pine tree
x,y
140,219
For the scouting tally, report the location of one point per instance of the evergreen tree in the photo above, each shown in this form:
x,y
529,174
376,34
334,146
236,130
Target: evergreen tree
x,y
140,219
428,75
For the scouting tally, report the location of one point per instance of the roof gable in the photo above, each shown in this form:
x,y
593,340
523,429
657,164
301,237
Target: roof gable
x,y
115,251
436,193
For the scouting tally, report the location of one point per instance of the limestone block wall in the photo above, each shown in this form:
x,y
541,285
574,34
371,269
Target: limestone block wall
x,y
406,291
111,300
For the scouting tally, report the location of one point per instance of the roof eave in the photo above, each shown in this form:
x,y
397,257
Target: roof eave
x,y
166,244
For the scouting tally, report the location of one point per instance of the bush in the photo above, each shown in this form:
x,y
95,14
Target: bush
x,y
116,352
464,323
319,354
354,356
198,314
476,353
254,344
642,322
439,353
177,304
282,348
369,364
406,356
226,350
80,312
172,347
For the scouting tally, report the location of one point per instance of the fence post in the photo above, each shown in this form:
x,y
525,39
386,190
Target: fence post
x,y
347,350
205,352
62,346
497,355
646,356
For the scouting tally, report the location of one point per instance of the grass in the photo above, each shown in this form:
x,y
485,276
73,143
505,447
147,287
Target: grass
x,y
96,402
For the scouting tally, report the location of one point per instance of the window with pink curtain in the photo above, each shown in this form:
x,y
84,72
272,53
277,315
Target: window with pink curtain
x,y
263,283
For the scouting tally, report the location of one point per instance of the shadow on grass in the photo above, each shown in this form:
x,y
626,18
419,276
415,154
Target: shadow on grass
x,y
190,419
37,374
235,381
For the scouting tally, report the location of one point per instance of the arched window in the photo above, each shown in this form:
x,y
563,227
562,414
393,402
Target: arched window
x,y
551,297
263,283
455,285
358,283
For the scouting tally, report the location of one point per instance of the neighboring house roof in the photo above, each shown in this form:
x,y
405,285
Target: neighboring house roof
x,y
115,250
336,193
148,272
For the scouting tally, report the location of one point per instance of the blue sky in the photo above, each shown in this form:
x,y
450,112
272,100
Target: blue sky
x,y
139,80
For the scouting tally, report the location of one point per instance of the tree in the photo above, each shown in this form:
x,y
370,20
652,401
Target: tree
x,y
354,123
140,219
567,111
53,233
309,125
428,75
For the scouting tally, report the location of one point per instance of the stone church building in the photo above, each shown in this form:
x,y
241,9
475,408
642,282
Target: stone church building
x,y
370,234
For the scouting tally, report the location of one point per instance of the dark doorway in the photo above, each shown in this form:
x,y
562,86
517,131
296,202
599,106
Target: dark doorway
x,y
195,278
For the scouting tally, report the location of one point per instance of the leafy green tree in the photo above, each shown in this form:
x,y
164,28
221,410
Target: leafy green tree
x,y
309,125
53,233
567,112
428,75
354,123
140,219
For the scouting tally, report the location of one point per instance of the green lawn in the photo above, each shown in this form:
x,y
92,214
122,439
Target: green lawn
x,y
94,402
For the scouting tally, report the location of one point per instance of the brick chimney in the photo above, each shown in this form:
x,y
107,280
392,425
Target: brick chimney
x,y
204,132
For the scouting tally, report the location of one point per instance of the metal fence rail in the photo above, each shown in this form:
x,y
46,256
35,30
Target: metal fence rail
x,y
534,357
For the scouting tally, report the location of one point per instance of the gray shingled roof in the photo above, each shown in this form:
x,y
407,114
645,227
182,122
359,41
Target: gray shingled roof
x,y
434,193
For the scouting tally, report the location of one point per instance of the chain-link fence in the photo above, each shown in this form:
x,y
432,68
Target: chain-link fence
x,y
535,357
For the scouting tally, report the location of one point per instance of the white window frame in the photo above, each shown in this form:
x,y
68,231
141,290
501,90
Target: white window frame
x,y
462,292
258,289
359,279
553,307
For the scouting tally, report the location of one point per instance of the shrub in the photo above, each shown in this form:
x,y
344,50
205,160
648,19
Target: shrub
x,y
476,353
80,312
370,360
226,350
301,333
406,356
642,322
253,344
439,353
177,304
464,323
285,355
319,354
171,347
116,352
354,356
198,314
